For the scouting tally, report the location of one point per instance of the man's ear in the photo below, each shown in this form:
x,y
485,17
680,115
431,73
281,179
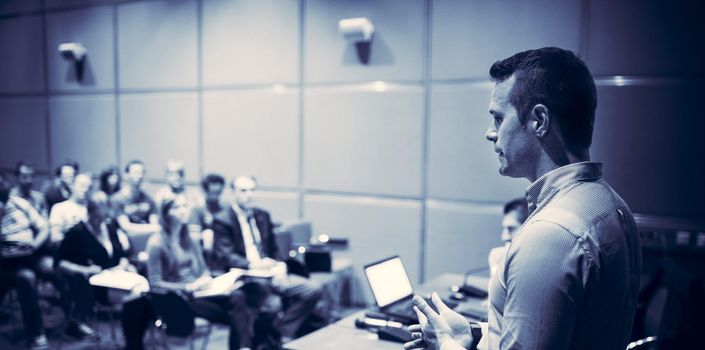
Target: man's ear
x,y
540,120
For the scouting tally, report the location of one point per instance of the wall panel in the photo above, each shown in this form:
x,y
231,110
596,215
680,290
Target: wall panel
x,y
82,129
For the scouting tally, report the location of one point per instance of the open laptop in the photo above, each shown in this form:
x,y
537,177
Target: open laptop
x,y
392,289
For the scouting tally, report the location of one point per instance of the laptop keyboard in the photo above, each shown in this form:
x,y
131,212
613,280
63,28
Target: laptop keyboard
x,y
403,309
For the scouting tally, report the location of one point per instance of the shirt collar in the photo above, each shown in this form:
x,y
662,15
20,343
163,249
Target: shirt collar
x,y
557,178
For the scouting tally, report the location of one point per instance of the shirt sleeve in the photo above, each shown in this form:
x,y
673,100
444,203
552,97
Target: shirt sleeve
x,y
35,218
154,263
544,276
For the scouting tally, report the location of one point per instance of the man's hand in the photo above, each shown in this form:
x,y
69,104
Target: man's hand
x,y
436,328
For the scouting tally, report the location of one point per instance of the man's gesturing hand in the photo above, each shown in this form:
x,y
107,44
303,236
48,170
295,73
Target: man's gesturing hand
x,y
445,327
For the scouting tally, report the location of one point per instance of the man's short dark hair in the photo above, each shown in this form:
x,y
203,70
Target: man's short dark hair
x,y
561,81
131,163
21,164
68,162
212,179
520,205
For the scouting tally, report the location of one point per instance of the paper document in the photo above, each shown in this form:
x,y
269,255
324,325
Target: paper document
x,y
279,269
119,279
221,285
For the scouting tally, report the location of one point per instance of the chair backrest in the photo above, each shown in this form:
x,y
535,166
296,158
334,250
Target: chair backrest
x,y
174,311
292,234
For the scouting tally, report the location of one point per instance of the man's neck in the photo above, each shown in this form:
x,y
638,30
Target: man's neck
x,y
213,207
240,209
134,189
546,164
94,226
25,191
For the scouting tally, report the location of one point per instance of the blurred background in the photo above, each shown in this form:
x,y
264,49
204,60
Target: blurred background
x,y
389,154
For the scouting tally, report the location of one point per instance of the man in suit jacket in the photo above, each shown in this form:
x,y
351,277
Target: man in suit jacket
x,y
243,238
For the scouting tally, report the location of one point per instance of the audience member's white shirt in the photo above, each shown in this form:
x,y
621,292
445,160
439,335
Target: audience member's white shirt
x,y
65,215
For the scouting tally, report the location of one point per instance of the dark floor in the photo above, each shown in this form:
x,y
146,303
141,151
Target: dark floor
x,y
12,332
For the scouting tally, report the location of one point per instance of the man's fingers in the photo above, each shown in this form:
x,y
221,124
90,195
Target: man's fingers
x,y
440,305
416,335
414,328
415,344
422,318
426,309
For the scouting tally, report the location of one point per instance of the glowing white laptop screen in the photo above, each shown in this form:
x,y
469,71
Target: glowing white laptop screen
x,y
389,281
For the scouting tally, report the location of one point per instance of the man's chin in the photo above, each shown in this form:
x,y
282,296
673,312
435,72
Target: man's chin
x,y
506,171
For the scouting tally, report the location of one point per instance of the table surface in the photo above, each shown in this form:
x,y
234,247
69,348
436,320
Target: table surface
x,y
343,335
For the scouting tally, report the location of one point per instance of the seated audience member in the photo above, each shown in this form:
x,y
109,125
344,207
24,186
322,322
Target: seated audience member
x,y
109,180
67,214
515,213
212,186
174,175
21,223
89,247
24,172
61,190
243,238
136,212
176,263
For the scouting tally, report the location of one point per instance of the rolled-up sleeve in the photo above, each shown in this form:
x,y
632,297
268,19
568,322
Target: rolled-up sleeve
x,y
544,275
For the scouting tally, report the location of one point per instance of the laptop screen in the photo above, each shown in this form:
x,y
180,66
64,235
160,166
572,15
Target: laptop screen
x,y
389,281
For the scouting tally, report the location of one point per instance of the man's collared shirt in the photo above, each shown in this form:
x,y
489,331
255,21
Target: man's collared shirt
x,y
250,235
570,277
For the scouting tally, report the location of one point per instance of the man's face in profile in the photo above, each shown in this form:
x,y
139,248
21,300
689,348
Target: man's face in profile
x,y
510,224
512,140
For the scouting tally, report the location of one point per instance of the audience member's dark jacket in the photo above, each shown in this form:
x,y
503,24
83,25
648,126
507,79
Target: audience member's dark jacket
x,y
79,246
228,244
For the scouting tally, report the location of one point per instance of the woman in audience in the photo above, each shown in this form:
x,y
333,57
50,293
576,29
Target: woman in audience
x,y
109,183
87,248
110,180
176,263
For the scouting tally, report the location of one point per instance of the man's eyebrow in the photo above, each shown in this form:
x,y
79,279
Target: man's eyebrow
x,y
496,113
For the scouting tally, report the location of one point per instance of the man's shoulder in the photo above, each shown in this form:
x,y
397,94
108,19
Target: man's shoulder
x,y
20,202
260,213
224,216
581,206
119,196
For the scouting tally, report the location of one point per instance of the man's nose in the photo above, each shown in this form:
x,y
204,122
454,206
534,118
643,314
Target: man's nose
x,y
491,134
